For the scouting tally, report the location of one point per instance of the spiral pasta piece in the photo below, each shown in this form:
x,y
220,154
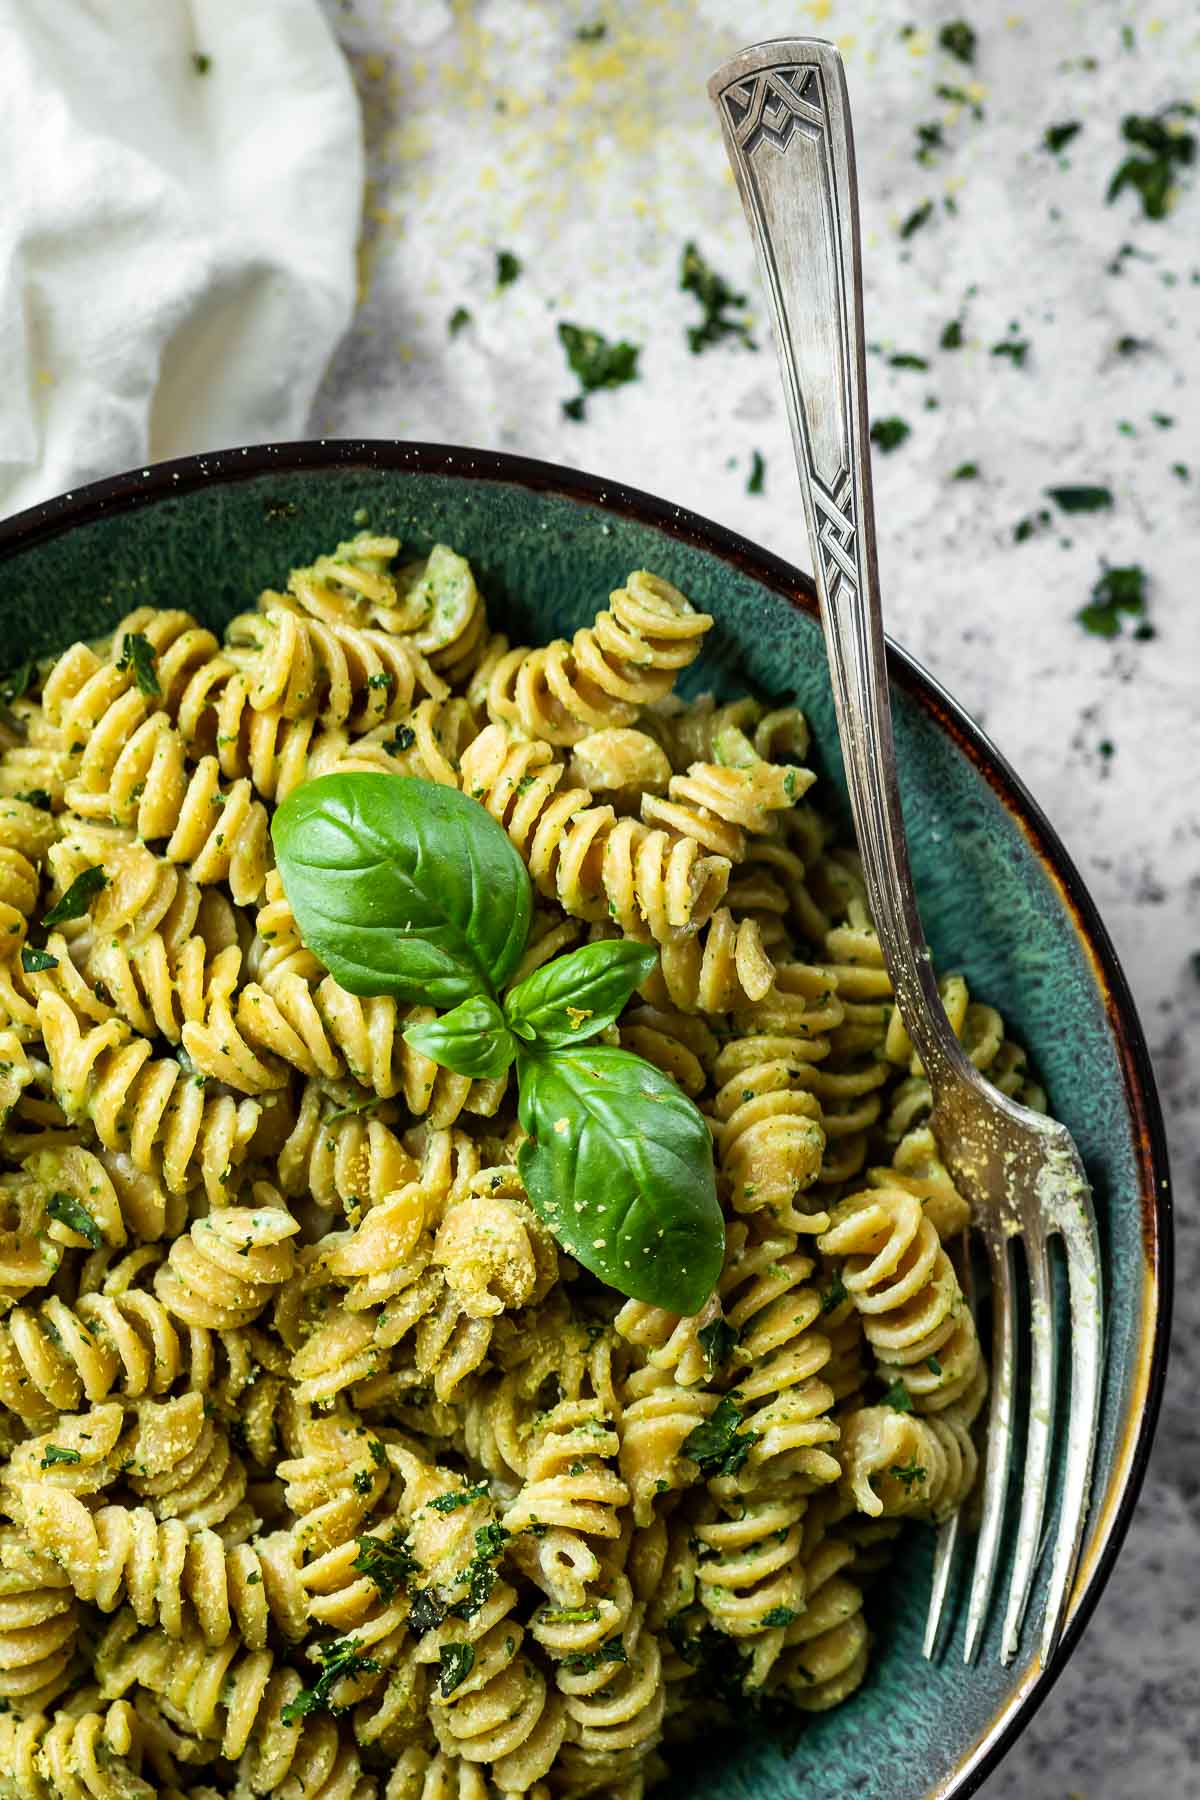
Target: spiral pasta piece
x,y
904,1285
95,700
77,1753
615,1714
781,1356
827,1650
232,1700
680,1044
180,1463
54,1356
568,1482
120,1201
722,966
769,1133
751,1577
902,1465
433,603
501,1712
629,657
230,1264
332,1479
716,805
79,1453
657,1417
343,675
595,864
39,1627
172,1576
143,1106
669,1341
338,1156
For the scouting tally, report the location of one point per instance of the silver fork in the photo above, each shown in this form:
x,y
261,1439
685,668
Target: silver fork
x,y
786,119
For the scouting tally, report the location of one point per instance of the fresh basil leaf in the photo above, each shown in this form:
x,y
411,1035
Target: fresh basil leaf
x,y
34,961
619,1165
402,886
574,997
472,1039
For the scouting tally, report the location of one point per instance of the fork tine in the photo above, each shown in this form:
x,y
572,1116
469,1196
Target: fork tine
x,y
1087,1339
944,1557
1039,1436
948,1542
999,1437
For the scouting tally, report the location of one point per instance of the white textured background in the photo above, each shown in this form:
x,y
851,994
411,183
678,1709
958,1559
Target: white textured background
x,y
491,126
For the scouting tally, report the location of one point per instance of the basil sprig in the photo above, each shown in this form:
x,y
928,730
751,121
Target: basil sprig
x,y
408,888
403,887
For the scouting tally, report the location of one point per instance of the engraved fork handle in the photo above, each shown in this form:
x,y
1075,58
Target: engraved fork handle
x,y
785,115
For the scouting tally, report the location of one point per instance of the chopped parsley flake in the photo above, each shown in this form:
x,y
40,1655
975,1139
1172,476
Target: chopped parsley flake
x,y
958,39
459,319
1081,499
455,1663
909,1474
952,335
340,1660
758,470
834,1294
716,299
508,267
1057,137
889,434
450,1502
967,471
582,1662
1117,591
138,654
898,1398
920,215
74,1214
597,362
1162,147
716,1341
78,897
389,1562
930,139
54,1453
34,961
717,1444
1016,349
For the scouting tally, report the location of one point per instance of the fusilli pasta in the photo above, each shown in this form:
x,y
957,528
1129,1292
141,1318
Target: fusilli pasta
x,y
324,1472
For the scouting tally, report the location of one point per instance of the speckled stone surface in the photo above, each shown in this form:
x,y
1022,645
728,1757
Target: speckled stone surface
x,y
495,127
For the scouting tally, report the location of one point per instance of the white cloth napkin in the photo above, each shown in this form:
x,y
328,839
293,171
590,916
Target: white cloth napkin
x,y
180,192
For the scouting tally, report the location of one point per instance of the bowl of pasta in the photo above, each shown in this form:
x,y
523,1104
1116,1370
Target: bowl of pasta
x,y
386,1411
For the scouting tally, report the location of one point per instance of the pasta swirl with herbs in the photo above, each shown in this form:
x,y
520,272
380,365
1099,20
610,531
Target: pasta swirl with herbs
x,y
324,1470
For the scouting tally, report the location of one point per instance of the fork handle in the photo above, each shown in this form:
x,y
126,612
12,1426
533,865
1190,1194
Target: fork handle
x,y
785,116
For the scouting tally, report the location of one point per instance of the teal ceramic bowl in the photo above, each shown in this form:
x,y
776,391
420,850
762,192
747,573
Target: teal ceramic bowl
x,y
999,897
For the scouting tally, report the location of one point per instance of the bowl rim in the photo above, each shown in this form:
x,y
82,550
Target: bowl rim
x,y
134,488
